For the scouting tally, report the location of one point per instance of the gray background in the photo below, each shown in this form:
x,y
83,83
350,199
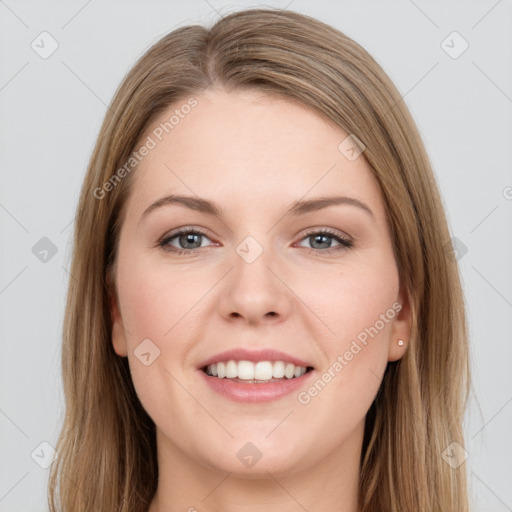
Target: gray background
x,y
52,110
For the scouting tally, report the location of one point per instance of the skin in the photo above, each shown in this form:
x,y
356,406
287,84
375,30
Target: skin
x,y
254,156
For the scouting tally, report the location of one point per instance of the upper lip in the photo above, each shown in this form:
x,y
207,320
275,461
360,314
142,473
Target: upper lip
x,y
243,354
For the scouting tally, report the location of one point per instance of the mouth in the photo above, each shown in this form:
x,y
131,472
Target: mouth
x,y
256,381
251,376
259,372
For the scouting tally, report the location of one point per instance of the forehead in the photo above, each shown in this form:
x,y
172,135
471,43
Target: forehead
x,y
247,146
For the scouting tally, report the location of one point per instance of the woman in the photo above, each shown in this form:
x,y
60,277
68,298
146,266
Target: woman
x,y
263,314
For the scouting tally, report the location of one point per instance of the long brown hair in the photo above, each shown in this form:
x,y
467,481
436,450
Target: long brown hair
x,y
107,449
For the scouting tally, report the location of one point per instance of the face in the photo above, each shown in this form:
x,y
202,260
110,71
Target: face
x,y
249,231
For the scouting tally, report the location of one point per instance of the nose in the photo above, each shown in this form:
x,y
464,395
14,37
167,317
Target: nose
x,y
253,293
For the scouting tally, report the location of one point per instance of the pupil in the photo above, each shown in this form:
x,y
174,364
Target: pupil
x,y
323,241
190,241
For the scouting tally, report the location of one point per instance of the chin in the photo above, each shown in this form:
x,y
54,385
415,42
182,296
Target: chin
x,y
256,458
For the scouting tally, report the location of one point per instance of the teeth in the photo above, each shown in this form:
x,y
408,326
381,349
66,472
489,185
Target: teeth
x,y
278,370
289,370
231,370
260,371
245,370
263,370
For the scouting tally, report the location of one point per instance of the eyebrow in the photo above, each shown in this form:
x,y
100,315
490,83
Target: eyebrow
x,y
300,207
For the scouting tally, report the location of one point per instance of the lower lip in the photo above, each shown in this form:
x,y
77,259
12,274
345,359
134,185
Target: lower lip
x,y
256,392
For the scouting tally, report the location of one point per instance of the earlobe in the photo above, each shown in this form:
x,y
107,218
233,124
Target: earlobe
x,y
118,333
401,331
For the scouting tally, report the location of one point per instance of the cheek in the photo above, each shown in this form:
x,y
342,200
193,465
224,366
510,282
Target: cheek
x,y
155,299
354,298
356,305
165,304
156,308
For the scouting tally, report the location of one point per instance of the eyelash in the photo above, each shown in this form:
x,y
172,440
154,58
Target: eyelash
x,y
344,243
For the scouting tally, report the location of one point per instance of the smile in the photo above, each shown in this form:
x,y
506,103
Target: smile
x,y
255,372
254,382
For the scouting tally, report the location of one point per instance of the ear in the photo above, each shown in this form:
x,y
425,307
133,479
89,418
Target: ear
x,y
118,332
402,324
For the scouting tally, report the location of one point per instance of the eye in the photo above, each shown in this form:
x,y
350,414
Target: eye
x,y
326,241
185,240
190,240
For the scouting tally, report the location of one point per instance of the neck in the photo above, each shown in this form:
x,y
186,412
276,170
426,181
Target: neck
x,y
330,485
